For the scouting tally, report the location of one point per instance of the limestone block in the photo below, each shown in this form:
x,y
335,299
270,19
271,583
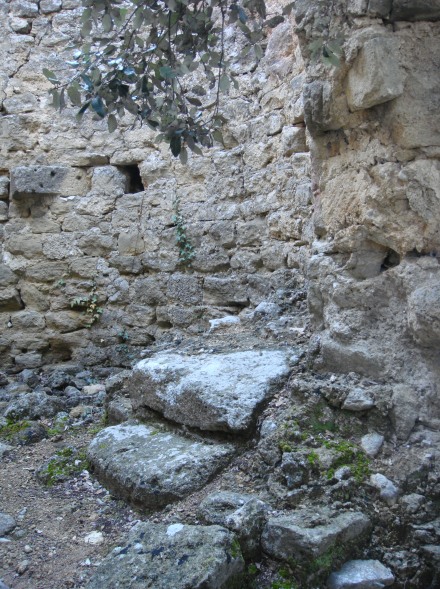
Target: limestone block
x,y
26,102
223,232
4,188
10,299
109,180
323,110
130,243
147,291
94,243
284,225
273,256
214,392
36,298
3,210
415,10
246,260
46,271
20,25
379,8
358,399
48,6
48,181
361,574
405,410
208,259
185,288
29,320
15,134
310,533
293,140
140,315
224,291
173,556
24,8
25,244
66,321
375,76
60,247
7,277
176,465
424,314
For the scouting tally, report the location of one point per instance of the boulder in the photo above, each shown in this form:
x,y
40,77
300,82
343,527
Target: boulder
x,y
310,533
174,556
217,392
361,574
152,468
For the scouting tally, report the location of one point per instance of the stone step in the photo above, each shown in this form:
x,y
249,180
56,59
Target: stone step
x,y
172,556
214,392
150,467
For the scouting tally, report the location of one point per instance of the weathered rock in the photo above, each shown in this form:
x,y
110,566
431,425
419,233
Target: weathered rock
x,y
415,10
361,574
243,514
5,450
372,443
47,181
412,502
308,533
375,76
358,400
209,391
388,491
405,410
34,406
7,524
31,433
424,315
151,468
173,556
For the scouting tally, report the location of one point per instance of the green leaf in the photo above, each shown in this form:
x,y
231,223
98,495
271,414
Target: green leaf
x,y
175,145
55,98
86,29
224,83
50,76
74,95
217,136
98,106
112,123
83,109
107,23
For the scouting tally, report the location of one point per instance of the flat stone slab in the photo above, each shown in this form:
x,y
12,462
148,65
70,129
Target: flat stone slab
x,y
310,533
172,556
216,392
151,468
361,574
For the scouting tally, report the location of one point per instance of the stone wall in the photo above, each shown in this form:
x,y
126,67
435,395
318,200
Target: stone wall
x,y
87,215
375,143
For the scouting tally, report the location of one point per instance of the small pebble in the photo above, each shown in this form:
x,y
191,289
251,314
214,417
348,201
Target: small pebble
x,y
22,567
27,549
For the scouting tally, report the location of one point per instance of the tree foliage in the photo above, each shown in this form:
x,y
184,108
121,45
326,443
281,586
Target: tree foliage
x,y
163,61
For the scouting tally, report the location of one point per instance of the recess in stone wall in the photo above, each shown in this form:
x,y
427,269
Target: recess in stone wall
x,y
134,180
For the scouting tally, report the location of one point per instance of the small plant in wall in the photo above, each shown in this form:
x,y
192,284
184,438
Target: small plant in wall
x,y
186,249
89,305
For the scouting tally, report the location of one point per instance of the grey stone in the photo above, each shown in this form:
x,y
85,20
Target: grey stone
x,y
185,288
220,392
424,315
405,410
48,181
375,76
32,433
415,10
48,6
118,410
3,586
388,491
26,102
7,276
151,468
371,444
245,515
224,291
4,187
361,574
34,406
5,450
412,502
10,299
310,533
4,210
173,556
7,524
109,180
24,8
358,400
266,309
228,321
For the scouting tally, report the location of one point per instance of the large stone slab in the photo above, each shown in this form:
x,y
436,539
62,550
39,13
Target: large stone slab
x,y
217,392
172,556
310,533
151,468
48,181
361,574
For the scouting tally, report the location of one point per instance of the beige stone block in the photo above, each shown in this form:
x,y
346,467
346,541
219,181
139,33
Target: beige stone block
x,y
25,244
48,181
376,76
10,299
130,243
3,210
